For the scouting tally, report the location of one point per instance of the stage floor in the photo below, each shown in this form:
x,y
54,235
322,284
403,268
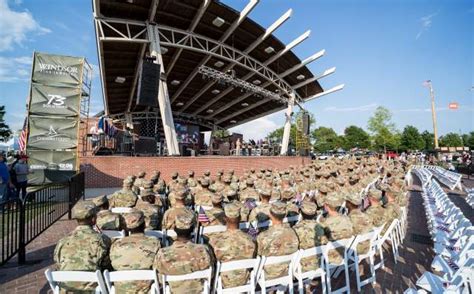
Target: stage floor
x,y
109,171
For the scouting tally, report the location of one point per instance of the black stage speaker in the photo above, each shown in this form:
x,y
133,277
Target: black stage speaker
x,y
148,84
306,123
145,146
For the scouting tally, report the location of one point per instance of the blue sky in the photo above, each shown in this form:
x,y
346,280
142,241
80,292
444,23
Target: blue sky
x,y
382,51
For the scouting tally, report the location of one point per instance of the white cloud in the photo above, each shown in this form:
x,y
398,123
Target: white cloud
x,y
14,69
362,108
426,22
15,26
258,128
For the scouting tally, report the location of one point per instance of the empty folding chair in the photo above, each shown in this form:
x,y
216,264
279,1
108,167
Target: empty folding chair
x,y
388,236
156,234
129,276
246,264
121,209
315,253
281,283
204,276
56,277
339,245
114,234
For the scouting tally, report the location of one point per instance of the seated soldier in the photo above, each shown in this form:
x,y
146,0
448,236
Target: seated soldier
x,y
84,249
147,205
125,197
134,252
106,219
203,196
261,213
178,209
361,222
184,257
278,240
231,245
216,214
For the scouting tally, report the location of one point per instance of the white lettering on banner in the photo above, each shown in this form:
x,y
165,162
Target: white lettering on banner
x,y
52,132
38,166
56,69
55,101
65,166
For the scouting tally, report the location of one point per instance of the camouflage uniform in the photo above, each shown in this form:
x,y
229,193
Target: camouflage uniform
x,y
134,252
261,213
83,250
184,257
125,197
249,192
172,213
233,245
276,241
376,212
107,220
203,196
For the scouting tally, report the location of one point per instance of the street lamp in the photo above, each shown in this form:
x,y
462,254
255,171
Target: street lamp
x,y
433,111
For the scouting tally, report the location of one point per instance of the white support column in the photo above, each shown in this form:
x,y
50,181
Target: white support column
x,y
287,129
163,95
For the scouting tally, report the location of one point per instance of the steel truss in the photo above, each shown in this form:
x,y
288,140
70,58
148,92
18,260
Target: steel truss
x,y
135,31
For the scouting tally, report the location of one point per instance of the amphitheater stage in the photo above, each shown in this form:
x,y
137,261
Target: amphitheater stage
x,y
109,171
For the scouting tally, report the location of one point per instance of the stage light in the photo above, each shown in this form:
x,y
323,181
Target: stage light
x,y
179,104
215,91
233,121
300,77
175,82
120,80
219,64
269,50
210,111
245,104
218,22
257,82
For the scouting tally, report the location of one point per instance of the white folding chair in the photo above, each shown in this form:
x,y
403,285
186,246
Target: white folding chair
x,y
131,275
308,276
345,245
249,264
389,236
121,209
156,234
56,277
209,230
112,234
204,275
281,283
356,258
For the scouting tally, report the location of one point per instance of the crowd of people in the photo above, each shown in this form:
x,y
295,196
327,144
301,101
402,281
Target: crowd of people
x,y
329,197
13,176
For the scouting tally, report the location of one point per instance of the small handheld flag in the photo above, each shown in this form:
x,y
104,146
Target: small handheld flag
x,y
202,217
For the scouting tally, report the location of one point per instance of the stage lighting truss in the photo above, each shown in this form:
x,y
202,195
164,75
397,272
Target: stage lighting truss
x,y
229,79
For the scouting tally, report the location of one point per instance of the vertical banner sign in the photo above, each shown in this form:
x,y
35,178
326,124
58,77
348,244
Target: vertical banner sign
x,y
54,116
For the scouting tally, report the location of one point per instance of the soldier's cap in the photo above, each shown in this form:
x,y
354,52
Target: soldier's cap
x,y
323,189
216,198
128,181
156,173
141,174
262,170
174,174
227,179
375,194
100,200
134,219
204,182
231,171
191,173
231,193
308,208
133,177
265,192
341,180
252,170
249,182
278,208
333,199
84,210
287,194
353,198
179,194
184,222
148,185
259,175
207,173
232,210
155,177
147,192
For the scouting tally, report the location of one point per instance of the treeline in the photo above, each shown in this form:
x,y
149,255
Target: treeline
x,y
381,134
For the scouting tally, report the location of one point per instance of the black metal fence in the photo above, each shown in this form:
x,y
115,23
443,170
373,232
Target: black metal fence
x,y
22,221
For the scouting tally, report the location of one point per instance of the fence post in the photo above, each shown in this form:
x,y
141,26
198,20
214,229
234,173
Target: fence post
x,y
22,224
70,192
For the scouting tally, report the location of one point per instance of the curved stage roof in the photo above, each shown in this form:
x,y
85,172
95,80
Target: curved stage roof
x,y
194,34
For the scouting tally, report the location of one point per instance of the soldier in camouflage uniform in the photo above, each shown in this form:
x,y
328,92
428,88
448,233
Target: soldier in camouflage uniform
x,y
392,209
184,257
310,234
361,222
84,249
134,252
140,181
249,192
173,182
191,180
125,197
336,226
231,196
216,214
106,219
178,209
278,240
147,205
203,196
231,245
376,211
261,213
227,188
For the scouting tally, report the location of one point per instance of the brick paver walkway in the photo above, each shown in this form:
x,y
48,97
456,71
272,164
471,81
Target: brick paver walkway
x,y
415,258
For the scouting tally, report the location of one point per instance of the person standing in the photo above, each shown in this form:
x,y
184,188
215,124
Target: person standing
x,y
4,178
21,170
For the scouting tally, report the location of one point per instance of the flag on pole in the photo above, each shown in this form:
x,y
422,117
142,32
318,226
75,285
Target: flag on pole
x,y
253,231
202,217
23,135
250,204
427,83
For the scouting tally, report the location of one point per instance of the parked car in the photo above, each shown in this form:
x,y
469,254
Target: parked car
x,y
391,154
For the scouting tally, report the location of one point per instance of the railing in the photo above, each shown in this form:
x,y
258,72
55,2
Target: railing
x,y
23,221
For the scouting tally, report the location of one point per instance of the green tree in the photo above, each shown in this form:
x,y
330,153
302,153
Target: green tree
x,y
383,129
428,138
277,135
5,131
450,140
470,141
220,133
355,137
325,139
411,139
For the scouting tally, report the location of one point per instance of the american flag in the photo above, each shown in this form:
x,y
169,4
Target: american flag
x,y
250,204
23,135
298,199
452,264
443,228
427,83
253,232
202,217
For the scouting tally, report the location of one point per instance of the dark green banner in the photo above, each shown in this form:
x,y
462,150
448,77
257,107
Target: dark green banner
x,y
52,133
57,70
52,160
56,101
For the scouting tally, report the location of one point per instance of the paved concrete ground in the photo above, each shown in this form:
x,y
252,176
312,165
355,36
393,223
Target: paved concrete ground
x,y
415,258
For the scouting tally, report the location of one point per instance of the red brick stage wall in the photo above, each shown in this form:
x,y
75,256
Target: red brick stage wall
x,y
109,171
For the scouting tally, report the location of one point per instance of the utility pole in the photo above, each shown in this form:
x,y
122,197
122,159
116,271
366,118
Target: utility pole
x,y
433,112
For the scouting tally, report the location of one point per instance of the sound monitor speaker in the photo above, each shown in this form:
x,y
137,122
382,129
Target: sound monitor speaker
x,y
306,123
148,84
145,146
